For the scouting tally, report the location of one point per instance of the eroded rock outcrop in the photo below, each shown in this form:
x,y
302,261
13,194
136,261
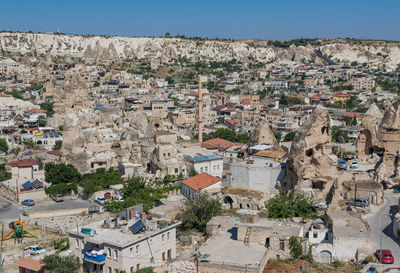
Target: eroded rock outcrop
x,y
389,132
310,165
369,141
264,135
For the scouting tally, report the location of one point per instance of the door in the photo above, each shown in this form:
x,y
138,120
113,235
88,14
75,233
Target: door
x,y
325,256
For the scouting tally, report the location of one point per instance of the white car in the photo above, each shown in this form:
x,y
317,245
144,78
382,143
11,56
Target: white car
x,y
119,199
35,250
101,200
354,165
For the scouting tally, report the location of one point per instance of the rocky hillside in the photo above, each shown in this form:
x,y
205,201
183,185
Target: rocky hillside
x,y
165,49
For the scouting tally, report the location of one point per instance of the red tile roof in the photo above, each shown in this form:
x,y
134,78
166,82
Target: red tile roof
x,y
23,163
217,143
351,115
35,110
29,263
56,152
201,181
246,101
232,122
9,128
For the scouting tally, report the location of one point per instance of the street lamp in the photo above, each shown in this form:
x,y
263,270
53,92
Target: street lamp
x,y
380,253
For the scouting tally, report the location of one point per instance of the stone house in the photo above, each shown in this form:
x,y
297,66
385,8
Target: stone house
x,y
107,246
201,183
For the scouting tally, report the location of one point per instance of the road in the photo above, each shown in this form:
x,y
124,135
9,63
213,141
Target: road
x,y
375,220
8,211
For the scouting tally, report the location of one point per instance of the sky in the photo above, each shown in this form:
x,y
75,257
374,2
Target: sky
x,y
246,19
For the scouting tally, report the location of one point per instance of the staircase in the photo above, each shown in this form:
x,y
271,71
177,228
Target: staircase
x,y
247,236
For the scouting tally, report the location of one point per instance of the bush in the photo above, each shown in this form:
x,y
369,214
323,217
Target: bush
x,y
61,188
338,264
289,136
287,206
369,259
57,264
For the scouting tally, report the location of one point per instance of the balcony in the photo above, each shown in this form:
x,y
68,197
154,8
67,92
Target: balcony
x,y
96,257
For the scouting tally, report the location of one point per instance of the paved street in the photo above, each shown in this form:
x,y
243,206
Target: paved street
x,y
8,211
375,219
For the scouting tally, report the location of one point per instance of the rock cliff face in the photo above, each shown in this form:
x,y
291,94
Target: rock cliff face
x,y
89,144
310,167
166,49
389,131
369,141
264,135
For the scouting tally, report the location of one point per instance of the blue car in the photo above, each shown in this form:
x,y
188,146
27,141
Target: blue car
x,y
28,202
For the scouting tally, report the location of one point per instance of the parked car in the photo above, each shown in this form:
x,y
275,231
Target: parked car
x,y
35,250
359,202
387,257
354,165
28,202
58,198
342,164
101,200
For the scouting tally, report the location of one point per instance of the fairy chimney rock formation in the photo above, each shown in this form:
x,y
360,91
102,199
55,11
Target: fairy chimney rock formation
x,y
310,167
389,131
369,141
264,135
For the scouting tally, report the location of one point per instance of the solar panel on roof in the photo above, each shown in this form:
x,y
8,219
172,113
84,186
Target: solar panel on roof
x,y
27,185
137,227
37,184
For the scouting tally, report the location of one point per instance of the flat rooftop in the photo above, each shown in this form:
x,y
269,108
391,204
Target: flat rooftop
x,y
223,249
115,236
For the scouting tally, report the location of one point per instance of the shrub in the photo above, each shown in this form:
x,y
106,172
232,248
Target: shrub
x,y
286,206
338,264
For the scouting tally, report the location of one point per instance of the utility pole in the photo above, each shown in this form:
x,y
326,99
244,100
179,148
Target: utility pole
x,y
355,194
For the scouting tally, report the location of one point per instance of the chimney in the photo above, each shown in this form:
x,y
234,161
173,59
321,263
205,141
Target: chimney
x,y
200,112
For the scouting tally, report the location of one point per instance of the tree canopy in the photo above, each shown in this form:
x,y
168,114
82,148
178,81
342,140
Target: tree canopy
x,y
57,264
227,134
286,206
3,145
99,180
198,212
61,173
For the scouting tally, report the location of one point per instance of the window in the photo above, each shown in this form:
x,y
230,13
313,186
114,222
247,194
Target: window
x,y
109,270
132,269
131,251
109,252
176,170
315,235
281,244
116,254
168,236
137,266
201,169
163,256
169,154
152,260
218,167
206,169
214,168
164,154
137,249
163,238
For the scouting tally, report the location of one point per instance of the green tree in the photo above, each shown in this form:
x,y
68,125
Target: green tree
x,y
287,206
278,135
99,180
42,122
354,63
57,264
289,136
192,172
96,84
57,145
227,134
48,106
198,211
4,175
61,173
3,145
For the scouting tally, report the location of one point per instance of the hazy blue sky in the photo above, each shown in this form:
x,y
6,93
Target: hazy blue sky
x,y
207,18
